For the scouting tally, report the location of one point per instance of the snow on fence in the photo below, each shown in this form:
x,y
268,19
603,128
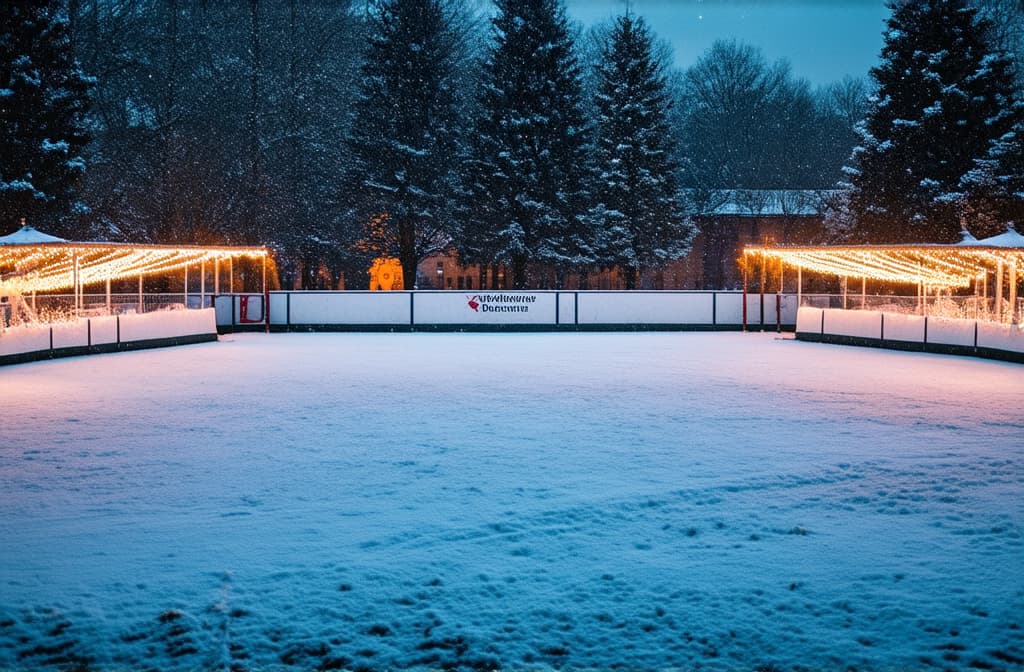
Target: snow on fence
x,y
505,310
30,342
911,332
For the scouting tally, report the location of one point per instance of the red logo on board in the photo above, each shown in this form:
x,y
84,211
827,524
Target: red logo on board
x,y
473,303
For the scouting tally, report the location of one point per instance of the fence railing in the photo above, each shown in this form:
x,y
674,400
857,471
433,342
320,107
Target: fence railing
x,y
55,308
987,309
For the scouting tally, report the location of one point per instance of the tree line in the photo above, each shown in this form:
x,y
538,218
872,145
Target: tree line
x,y
338,131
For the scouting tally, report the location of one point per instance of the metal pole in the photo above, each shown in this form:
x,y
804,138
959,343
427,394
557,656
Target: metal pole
x,y
863,293
108,295
799,286
231,275
1014,320
186,286
216,276
764,279
778,312
999,292
266,296
984,292
141,307
202,284
745,294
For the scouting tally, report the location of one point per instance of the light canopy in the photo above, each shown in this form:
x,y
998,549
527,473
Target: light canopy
x,y
933,265
28,265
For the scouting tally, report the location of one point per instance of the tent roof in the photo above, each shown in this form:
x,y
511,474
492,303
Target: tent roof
x,y
27,235
1009,238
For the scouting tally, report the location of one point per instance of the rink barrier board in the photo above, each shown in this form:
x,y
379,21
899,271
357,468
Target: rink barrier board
x,y
504,311
115,333
914,333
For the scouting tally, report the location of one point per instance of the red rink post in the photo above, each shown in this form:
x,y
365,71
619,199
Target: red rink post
x,y
266,296
744,294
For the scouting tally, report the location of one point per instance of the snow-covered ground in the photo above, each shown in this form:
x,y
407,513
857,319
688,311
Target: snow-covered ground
x,y
644,501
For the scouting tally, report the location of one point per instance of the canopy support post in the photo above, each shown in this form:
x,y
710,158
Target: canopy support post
x,y
186,285
999,292
216,276
864,293
1014,316
108,296
764,279
202,283
799,287
141,307
266,296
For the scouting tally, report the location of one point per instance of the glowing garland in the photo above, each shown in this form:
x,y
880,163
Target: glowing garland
x,y
933,265
44,267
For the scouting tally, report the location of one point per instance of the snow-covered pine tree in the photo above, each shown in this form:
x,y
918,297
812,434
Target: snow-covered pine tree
x,y
994,189
404,137
525,179
643,221
44,96
943,96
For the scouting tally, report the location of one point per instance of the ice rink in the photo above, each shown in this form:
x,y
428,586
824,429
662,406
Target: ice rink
x,y
647,501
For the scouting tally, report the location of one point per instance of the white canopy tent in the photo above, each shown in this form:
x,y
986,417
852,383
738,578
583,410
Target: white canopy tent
x,y
928,266
32,261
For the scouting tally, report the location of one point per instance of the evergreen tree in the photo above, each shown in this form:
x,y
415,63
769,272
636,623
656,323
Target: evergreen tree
x,y
943,97
525,181
404,137
43,100
643,222
995,187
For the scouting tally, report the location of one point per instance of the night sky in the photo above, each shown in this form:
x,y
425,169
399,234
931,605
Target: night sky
x,y
823,40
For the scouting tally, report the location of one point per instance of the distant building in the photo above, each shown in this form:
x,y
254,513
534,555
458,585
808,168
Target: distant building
x,y
727,220
730,219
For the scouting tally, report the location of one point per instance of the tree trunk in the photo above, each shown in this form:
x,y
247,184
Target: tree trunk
x,y
519,275
630,274
254,139
407,256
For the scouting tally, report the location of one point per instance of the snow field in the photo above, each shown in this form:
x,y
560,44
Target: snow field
x,y
531,501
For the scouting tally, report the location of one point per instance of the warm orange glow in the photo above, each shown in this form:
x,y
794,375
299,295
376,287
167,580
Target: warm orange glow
x,y
386,274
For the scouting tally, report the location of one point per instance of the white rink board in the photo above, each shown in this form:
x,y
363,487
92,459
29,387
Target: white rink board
x,y
909,328
808,320
110,331
857,323
24,338
70,334
951,332
645,308
341,308
1000,337
104,330
167,324
483,307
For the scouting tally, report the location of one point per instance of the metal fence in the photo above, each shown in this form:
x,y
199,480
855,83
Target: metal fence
x,y
51,308
956,307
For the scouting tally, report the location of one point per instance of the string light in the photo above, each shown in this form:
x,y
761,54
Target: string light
x,y
45,267
933,265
